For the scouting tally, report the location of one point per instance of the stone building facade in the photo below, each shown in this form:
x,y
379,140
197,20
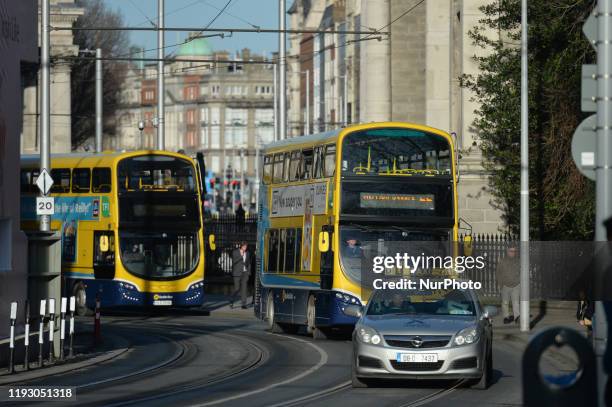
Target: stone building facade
x,y
410,76
224,110
64,13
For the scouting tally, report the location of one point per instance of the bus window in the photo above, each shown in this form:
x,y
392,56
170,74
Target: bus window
x,y
294,165
272,251
286,170
61,180
267,178
307,164
101,180
298,250
329,164
80,180
28,180
318,163
290,251
277,176
281,250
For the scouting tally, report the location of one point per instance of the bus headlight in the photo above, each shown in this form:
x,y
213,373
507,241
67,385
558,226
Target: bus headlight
x,y
196,285
126,286
349,299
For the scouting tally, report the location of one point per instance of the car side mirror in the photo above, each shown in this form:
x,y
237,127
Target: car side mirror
x,y
324,241
104,243
211,242
353,311
489,311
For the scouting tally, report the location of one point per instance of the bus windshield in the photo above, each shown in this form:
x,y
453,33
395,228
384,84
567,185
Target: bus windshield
x,y
155,173
360,243
395,151
159,255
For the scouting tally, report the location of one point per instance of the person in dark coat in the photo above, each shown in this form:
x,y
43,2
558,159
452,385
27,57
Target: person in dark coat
x,y
241,271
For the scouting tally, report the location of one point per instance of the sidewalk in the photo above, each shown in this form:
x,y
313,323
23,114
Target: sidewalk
x,y
85,355
556,314
219,305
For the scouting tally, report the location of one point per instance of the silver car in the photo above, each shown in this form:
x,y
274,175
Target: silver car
x,y
423,335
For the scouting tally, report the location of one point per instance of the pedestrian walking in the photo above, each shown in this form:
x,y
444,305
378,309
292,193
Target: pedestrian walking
x,y
508,278
241,271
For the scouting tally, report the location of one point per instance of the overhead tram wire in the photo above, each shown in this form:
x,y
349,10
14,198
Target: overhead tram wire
x,y
368,34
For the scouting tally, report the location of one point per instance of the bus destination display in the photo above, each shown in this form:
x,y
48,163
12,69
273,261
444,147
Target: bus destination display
x,y
397,201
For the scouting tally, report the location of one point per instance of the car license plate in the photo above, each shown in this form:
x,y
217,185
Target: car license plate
x,y
162,302
417,357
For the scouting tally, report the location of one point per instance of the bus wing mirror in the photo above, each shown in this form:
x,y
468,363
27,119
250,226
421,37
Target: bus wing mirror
x,y
467,245
104,243
211,242
324,241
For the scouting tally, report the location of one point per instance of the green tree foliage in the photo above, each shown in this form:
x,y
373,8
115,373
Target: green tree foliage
x,y
561,199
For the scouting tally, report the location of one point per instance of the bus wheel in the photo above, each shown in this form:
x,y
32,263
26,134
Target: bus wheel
x,y
311,317
80,297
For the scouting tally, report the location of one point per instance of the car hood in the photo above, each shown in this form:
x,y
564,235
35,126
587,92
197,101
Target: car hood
x,y
419,324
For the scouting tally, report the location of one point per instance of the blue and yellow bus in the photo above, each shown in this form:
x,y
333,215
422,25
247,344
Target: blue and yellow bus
x,y
130,224
323,195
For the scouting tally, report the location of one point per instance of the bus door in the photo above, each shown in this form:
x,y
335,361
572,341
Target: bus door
x,y
104,255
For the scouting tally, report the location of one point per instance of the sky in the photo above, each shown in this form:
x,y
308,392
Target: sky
x,y
199,13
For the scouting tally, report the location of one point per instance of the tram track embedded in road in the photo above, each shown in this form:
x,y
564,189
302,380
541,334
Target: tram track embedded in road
x,y
433,396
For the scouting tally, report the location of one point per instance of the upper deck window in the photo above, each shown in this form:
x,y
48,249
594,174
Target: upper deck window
x,y
61,180
101,180
395,151
155,173
80,180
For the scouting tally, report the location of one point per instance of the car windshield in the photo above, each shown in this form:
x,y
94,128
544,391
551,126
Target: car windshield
x,y
360,243
416,302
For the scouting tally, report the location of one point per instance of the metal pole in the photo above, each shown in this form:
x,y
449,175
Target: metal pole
x,y
256,175
345,98
45,153
524,312
160,77
308,101
282,86
51,330
603,175
98,100
275,86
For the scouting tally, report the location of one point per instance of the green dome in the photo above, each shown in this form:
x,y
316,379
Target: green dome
x,y
195,48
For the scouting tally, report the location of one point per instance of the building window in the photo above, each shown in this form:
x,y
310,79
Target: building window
x,y
215,137
216,164
204,137
215,116
215,90
204,116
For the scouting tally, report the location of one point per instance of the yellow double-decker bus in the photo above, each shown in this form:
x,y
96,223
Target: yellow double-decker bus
x,y
130,224
325,197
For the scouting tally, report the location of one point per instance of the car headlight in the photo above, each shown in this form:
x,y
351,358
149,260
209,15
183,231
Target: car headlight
x,y
368,335
467,336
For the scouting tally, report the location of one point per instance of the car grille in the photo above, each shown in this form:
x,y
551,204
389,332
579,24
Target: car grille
x,y
407,341
465,363
416,366
365,361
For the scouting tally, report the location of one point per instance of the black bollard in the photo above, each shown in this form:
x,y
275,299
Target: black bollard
x,y
71,330
26,337
51,330
41,331
11,366
62,326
